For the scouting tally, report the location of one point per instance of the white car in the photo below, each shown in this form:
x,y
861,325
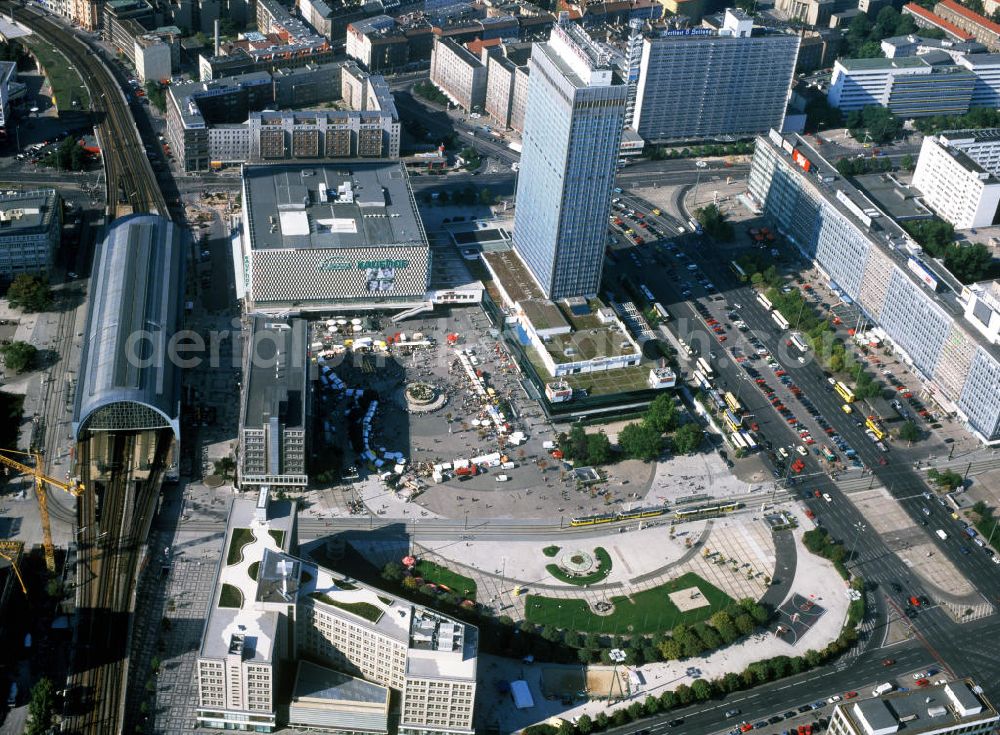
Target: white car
x,y
920,675
827,498
802,450
502,478
833,699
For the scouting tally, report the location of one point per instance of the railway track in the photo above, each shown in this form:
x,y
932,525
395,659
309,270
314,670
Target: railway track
x,y
114,520
130,183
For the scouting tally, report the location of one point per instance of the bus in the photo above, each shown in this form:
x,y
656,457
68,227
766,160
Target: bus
x,y
799,342
696,226
661,311
750,441
764,301
733,404
844,392
717,400
705,367
877,430
737,440
740,273
701,381
734,423
647,293
779,319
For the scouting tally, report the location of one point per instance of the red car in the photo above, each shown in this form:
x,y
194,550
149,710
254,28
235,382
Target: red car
x,y
850,695
722,338
810,514
745,727
921,682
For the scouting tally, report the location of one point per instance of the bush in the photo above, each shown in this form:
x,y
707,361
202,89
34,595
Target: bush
x,y
550,551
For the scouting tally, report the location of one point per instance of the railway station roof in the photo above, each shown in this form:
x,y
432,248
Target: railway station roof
x,y
128,380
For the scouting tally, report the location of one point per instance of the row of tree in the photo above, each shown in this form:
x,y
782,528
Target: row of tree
x,y
645,439
704,690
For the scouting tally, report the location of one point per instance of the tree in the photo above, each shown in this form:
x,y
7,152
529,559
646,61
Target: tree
x,y
948,479
687,439
640,441
224,466
669,649
906,162
714,222
909,432
601,721
584,724
157,97
392,571
29,293
19,356
969,263
701,690
40,707
662,413
933,235
574,444
875,123
598,448
744,624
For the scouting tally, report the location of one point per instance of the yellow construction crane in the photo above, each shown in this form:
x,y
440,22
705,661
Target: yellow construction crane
x,y
73,488
11,551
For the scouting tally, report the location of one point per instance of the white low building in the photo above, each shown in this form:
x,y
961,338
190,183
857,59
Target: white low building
x,y
955,186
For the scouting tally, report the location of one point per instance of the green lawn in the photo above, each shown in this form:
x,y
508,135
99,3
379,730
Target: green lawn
x,y
362,609
278,536
435,574
603,570
66,83
649,611
241,537
230,596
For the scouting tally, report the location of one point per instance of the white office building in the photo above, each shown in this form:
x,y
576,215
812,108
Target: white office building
x,y
944,709
459,73
982,146
957,188
920,306
271,608
572,131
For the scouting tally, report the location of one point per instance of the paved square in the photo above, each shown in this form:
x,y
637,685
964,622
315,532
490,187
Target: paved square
x,y
689,598
798,614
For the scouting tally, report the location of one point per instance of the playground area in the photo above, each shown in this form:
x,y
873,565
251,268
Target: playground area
x,y
797,614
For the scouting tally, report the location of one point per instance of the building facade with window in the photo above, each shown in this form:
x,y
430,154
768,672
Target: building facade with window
x,y
703,84
922,308
572,131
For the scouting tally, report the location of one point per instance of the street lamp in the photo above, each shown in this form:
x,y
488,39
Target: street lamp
x,y
860,528
617,657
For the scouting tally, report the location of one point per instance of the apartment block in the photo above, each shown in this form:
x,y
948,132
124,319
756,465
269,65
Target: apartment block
x,y
121,34
915,300
957,188
982,29
924,18
353,649
153,59
735,82
507,85
211,124
982,146
459,73
274,406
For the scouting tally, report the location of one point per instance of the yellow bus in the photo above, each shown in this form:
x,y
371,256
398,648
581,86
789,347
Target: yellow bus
x,y
732,421
732,402
844,392
877,430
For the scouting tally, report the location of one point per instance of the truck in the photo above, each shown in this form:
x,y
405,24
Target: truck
x,y
882,689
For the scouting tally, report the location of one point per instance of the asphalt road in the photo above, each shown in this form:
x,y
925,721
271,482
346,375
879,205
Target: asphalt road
x,y
949,644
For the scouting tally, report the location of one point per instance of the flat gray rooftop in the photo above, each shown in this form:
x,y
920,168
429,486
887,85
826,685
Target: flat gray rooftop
x,y
346,204
317,682
894,196
27,212
276,382
930,709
